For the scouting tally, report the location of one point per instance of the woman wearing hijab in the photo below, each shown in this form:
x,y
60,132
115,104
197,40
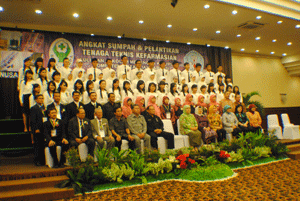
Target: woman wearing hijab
x,y
254,118
189,126
152,102
140,101
177,111
208,134
189,101
166,109
230,122
215,122
213,101
126,108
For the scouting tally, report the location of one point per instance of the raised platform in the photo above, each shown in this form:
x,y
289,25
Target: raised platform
x,y
294,147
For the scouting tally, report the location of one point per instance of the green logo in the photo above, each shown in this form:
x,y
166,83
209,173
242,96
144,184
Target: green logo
x,y
63,50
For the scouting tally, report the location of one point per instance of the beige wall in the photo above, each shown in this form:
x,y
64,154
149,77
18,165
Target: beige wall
x,y
267,76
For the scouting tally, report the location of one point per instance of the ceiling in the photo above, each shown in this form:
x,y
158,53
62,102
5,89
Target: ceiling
x,y
157,14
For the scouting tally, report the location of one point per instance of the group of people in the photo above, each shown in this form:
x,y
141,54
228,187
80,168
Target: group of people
x,y
66,107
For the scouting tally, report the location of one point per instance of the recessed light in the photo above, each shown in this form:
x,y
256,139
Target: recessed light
x,y
141,21
195,29
257,38
38,12
76,15
1,9
169,25
274,40
243,49
167,41
208,45
256,50
289,43
234,12
217,32
272,52
33,30
92,34
279,22
284,54
144,39
119,36
239,35
109,18
226,47
206,6
258,17
297,26
188,43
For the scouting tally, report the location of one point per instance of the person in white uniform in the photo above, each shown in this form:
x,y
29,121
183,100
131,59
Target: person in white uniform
x,y
175,72
106,71
94,70
187,73
198,73
78,69
150,71
162,72
138,65
209,74
124,67
65,70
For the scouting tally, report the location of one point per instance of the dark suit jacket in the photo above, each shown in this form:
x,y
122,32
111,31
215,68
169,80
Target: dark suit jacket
x,y
71,109
73,128
108,110
90,110
36,118
153,122
60,131
63,112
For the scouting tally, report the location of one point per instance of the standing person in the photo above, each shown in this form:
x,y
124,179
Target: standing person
x,y
219,73
254,118
78,69
140,89
150,71
138,65
138,127
91,106
219,82
65,70
177,109
173,93
70,83
162,71
189,126
193,82
204,93
86,94
37,118
102,93
127,91
51,68
120,129
94,70
161,92
230,122
101,132
36,90
175,72
54,133
151,92
198,73
78,86
38,64
116,90
56,77
108,108
42,79
109,81
184,92
22,71
194,94
220,92
60,108
201,82
126,109
155,128
226,101
106,71
72,107
80,131
187,74
209,74
66,97
48,95
124,67
139,78
151,79
215,122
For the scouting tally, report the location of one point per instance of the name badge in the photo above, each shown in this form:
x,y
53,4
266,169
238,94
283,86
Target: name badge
x,y
168,115
53,133
44,119
102,133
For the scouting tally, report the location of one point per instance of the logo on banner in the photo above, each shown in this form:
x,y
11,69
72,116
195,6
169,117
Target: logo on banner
x,y
193,57
60,49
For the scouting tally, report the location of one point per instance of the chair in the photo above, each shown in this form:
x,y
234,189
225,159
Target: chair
x,y
83,152
273,124
49,158
178,139
290,131
185,137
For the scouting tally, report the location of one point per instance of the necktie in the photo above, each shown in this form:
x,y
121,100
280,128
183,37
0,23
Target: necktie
x,y
163,72
125,71
210,74
81,128
94,74
178,77
189,76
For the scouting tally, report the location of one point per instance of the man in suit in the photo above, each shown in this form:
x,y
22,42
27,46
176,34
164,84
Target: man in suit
x,y
80,131
54,132
37,118
60,108
101,130
71,108
90,107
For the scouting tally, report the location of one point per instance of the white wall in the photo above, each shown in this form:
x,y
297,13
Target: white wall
x,y
267,76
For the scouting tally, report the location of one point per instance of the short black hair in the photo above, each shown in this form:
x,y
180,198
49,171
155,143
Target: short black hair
x,y
186,63
93,92
161,62
134,105
202,87
66,58
123,56
137,61
54,74
50,109
194,86
77,110
38,96
198,64
117,107
108,95
94,59
75,92
56,92
108,59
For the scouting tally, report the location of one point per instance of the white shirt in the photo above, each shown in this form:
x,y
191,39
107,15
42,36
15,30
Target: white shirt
x,y
173,73
106,73
163,72
172,97
92,71
43,85
182,97
198,75
160,96
206,97
209,76
195,97
220,96
137,93
25,89
85,98
76,71
126,69
31,101
102,100
133,73
148,82
64,72
216,77
187,74
50,73
47,98
65,97
147,73
21,76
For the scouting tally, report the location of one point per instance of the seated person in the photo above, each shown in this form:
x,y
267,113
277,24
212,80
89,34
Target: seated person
x,y
108,108
138,127
215,122
54,132
152,102
72,107
120,129
254,118
90,107
189,101
230,122
189,126
101,130
208,135
155,128
126,109
238,102
80,131
226,101
177,111
243,121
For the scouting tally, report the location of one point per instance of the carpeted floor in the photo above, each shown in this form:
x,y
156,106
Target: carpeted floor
x,y
275,181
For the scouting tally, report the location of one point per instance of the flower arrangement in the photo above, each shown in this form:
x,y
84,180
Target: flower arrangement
x,y
223,156
185,161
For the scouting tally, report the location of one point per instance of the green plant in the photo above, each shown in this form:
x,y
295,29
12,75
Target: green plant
x,y
248,154
152,155
212,160
160,167
208,150
116,173
137,163
73,158
247,101
103,157
234,157
121,156
263,152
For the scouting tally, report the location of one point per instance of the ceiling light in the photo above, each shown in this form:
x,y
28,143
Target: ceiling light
x,y
226,47
38,12
284,54
188,43
206,6
289,43
297,26
279,22
234,12
274,40
257,38
1,9
109,18
119,36
167,41
33,30
76,15
141,22
169,25
217,32
258,17
243,49
239,35
256,50
272,52
195,29
144,39
92,34
208,45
